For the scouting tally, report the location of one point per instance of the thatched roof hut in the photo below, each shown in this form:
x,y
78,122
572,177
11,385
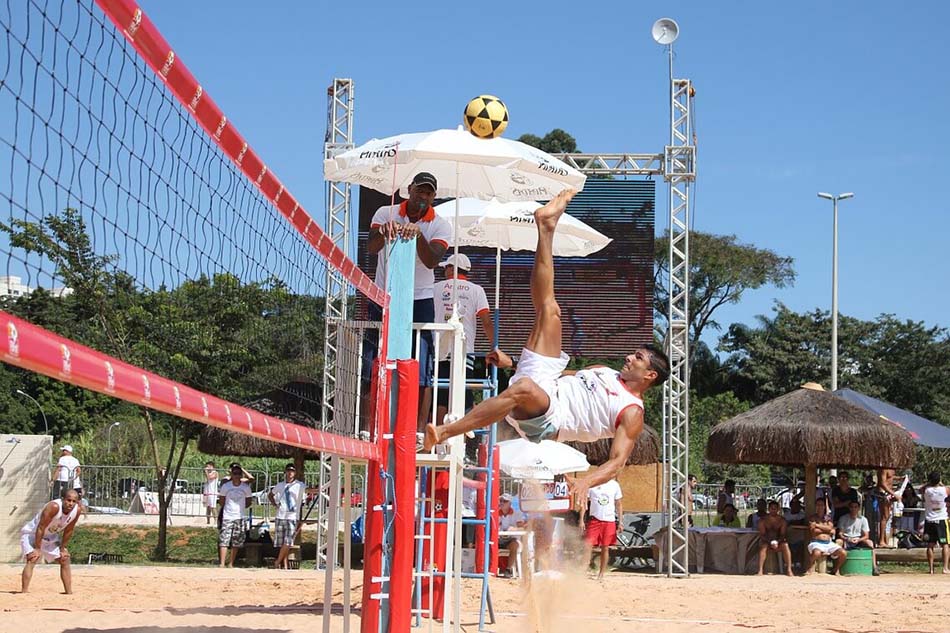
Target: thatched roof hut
x,y
296,402
808,426
215,441
646,451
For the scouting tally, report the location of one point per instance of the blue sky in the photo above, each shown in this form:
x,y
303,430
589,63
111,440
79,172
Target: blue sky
x,y
791,99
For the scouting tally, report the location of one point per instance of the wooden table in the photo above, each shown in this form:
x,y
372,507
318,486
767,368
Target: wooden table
x,y
724,550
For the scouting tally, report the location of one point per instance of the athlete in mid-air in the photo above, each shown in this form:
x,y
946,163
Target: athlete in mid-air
x,y
546,401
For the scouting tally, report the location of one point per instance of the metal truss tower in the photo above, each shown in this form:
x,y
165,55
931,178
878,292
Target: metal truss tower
x,y
339,138
679,167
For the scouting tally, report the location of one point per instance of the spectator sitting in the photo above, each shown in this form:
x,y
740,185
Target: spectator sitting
x,y
728,518
822,544
795,515
761,511
855,533
726,495
772,535
509,519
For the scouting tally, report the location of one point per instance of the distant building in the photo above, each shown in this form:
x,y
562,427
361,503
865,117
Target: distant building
x,y
13,286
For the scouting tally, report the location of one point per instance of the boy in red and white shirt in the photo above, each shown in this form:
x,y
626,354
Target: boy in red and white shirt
x,y
606,511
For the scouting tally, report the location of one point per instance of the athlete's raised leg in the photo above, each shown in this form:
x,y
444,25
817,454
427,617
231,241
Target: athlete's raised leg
x,y
524,399
545,336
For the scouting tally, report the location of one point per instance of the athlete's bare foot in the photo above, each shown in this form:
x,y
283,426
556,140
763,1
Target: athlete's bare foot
x,y
548,215
432,437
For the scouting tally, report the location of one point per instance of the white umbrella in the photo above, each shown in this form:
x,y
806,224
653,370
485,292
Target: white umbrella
x,y
465,166
542,461
510,226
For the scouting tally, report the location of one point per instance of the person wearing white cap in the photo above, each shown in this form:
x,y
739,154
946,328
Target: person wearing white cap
x,y
472,307
67,473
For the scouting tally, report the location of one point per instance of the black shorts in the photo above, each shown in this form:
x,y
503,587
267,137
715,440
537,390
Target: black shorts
x,y
937,531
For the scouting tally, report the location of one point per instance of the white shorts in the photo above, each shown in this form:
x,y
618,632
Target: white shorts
x,y
544,371
828,548
49,548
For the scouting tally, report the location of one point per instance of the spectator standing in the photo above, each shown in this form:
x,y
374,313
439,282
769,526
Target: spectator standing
x,y
46,536
606,512
287,496
209,491
691,483
726,495
414,218
842,496
234,495
68,470
887,495
475,314
936,529
855,532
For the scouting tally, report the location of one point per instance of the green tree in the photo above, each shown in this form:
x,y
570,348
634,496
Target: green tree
x,y
906,363
214,333
557,141
705,413
720,270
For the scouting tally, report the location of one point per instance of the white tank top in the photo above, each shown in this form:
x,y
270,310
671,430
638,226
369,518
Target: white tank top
x,y
935,503
590,403
56,527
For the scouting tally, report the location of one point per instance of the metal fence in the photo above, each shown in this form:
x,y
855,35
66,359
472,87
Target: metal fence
x,y
746,495
133,490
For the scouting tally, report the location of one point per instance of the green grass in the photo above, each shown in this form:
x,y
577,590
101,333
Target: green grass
x,y
186,545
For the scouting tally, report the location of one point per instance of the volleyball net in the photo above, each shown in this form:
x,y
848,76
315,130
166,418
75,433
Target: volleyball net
x,y
150,254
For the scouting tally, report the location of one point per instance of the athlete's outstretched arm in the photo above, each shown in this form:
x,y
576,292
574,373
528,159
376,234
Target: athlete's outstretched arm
x,y
629,429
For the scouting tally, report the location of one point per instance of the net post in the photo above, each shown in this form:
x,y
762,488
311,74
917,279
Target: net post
x,y
400,281
333,520
347,540
404,474
374,501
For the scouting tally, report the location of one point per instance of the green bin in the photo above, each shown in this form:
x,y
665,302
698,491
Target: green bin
x,y
858,563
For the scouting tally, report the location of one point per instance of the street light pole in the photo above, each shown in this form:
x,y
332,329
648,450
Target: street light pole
x,y
834,285
109,433
45,424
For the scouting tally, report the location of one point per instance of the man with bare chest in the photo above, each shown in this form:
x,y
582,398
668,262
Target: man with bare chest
x,y
772,536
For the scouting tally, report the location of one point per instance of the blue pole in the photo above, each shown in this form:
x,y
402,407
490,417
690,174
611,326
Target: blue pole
x,y
400,284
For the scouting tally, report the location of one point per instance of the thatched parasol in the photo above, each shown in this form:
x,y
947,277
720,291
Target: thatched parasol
x,y
810,427
294,401
646,451
215,441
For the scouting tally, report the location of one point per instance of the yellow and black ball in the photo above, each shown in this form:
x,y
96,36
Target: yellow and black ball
x,y
486,116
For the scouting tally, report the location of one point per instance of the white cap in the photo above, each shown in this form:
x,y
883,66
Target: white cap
x,y
460,261
68,447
